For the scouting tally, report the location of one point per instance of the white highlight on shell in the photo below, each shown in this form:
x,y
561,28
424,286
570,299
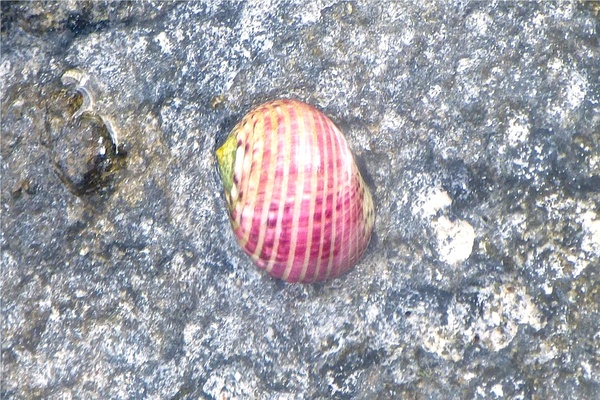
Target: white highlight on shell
x,y
234,192
239,161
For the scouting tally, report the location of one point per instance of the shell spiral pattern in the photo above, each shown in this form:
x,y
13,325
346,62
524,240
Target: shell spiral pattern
x,y
297,203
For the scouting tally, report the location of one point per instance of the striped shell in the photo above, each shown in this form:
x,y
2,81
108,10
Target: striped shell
x,y
297,203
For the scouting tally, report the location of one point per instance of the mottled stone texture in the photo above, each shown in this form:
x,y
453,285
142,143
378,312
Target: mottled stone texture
x,y
478,124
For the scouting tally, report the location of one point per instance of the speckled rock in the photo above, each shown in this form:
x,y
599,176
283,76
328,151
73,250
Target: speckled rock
x,y
478,126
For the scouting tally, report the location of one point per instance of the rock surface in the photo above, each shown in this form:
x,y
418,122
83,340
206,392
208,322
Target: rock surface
x,y
478,125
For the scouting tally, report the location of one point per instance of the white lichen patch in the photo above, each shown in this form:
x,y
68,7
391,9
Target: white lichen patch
x,y
479,22
498,391
465,64
430,201
454,239
555,66
576,89
311,12
164,42
590,222
517,131
5,69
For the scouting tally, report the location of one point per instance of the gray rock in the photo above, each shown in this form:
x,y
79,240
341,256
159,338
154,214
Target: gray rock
x,y
478,125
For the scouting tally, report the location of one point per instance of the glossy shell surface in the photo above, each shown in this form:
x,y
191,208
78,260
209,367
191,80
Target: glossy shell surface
x,y
297,203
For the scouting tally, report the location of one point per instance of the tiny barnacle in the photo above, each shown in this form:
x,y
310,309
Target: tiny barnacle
x,y
85,147
90,90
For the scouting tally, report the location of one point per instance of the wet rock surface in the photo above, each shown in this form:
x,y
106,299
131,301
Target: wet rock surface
x,y
478,125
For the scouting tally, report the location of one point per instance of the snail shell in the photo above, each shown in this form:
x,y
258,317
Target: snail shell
x,y
297,203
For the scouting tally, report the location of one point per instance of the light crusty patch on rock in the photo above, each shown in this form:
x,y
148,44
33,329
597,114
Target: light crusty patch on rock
x,y
590,223
503,309
454,239
430,201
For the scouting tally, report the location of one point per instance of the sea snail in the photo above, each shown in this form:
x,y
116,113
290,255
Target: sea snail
x,y
297,203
